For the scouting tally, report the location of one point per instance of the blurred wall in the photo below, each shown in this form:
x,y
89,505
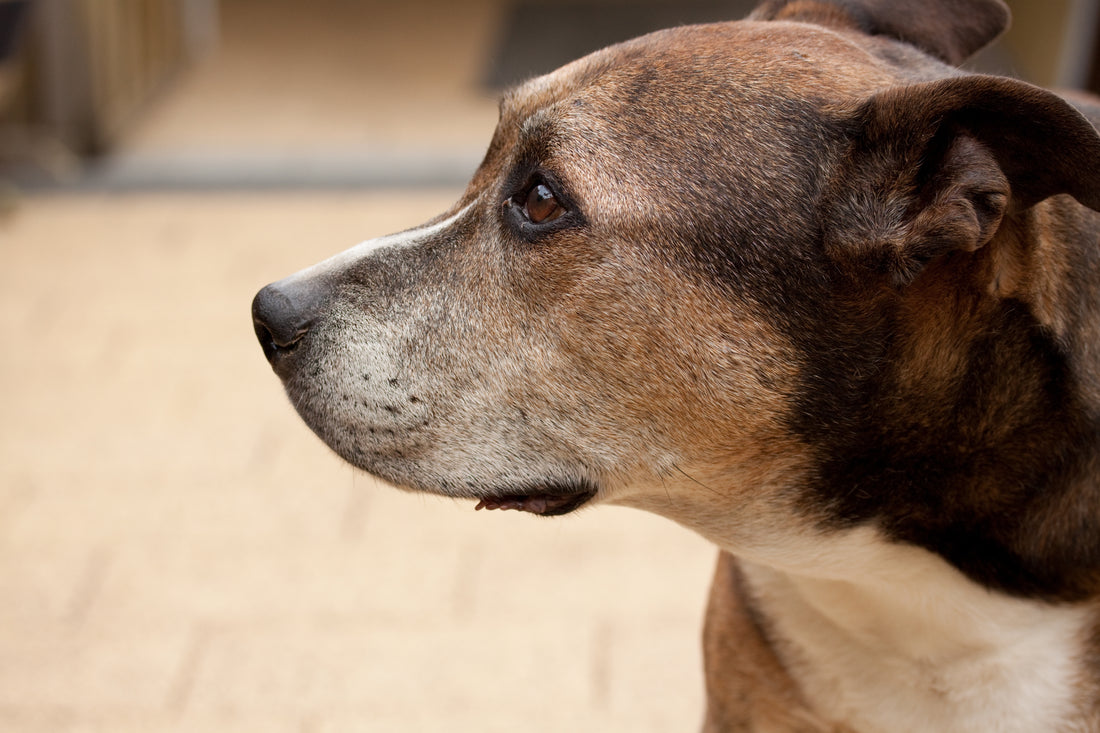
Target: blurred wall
x,y
86,69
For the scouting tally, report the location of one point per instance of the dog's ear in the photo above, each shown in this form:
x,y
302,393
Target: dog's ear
x,y
935,167
951,30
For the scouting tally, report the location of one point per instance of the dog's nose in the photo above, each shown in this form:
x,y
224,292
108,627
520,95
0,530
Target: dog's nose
x,y
281,317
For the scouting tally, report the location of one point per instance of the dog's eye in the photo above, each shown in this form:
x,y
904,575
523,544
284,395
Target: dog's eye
x,y
541,206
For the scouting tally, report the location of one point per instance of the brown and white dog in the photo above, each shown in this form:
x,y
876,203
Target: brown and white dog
x,y
801,285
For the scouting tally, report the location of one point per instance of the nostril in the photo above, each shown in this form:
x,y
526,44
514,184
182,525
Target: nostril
x,y
279,322
282,340
267,341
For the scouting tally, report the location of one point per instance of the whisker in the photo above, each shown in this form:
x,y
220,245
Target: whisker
x,y
697,481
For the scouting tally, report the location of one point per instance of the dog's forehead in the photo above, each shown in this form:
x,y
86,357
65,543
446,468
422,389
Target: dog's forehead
x,y
756,60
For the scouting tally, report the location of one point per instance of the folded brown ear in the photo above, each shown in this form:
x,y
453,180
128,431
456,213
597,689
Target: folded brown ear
x,y
934,167
951,30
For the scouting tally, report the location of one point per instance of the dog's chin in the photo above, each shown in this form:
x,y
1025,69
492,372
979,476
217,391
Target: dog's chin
x,y
406,463
548,498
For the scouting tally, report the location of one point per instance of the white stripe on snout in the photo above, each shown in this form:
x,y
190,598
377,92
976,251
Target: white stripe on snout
x,y
364,249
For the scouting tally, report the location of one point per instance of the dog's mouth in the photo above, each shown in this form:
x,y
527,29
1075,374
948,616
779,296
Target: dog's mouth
x,y
550,501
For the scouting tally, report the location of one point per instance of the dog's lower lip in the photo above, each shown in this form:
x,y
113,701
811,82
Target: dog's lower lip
x,y
547,504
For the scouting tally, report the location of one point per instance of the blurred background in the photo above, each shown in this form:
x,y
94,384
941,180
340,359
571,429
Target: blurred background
x,y
134,94
177,551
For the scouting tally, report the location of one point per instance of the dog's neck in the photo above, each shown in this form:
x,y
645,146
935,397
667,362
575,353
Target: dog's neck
x,y
884,637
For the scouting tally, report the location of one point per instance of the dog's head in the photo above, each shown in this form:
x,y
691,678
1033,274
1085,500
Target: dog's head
x,y
733,273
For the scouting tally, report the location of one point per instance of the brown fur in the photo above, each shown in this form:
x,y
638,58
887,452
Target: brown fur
x,y
747,687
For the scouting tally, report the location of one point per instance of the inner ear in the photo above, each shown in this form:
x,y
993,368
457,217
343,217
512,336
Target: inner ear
x,y
936,167
951,196
959,203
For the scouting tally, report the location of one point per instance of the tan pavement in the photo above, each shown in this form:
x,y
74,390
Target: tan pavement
x,y
179,553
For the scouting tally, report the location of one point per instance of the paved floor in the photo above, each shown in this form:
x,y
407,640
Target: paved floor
x,y
179,553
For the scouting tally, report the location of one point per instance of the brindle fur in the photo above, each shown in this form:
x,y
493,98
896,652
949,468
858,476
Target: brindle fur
x,y
811,277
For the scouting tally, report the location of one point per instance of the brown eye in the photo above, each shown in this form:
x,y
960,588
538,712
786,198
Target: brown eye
x,y
541,206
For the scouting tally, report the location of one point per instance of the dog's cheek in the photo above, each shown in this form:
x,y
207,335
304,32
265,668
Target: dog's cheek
x,y
672,372
710,414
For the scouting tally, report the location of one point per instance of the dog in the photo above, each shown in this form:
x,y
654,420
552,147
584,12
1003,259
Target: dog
x,y
803,286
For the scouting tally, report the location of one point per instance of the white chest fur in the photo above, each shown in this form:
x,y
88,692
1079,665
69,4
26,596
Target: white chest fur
x,y
891,639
